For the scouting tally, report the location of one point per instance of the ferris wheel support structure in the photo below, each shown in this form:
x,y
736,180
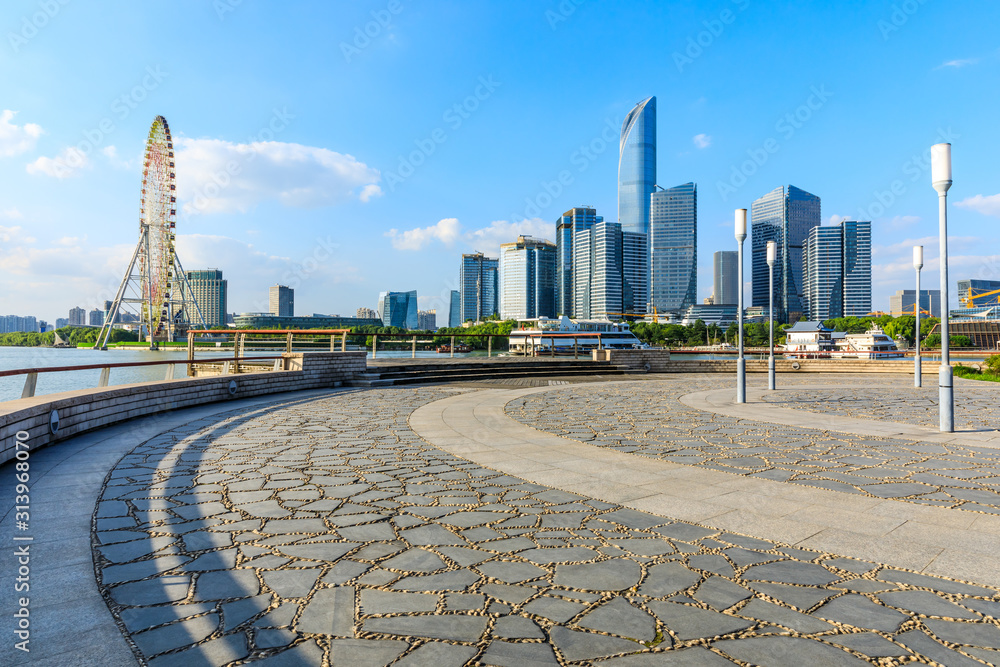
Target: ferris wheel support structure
x,y
154,283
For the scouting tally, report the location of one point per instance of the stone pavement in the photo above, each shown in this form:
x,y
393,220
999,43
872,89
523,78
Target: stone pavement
x,y
346,530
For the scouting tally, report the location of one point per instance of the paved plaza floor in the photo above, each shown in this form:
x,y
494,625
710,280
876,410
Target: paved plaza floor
x,y
568,523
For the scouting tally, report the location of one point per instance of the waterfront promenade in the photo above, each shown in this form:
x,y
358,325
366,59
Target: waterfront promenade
x,y
619,521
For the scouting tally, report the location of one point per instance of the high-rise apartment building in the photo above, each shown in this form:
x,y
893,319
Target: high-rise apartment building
x,y
210,291
62,322
837,271
77,316
96,317
785,216
15,323
366,313
427,320
727,278
479,284
673,248
902,302
281,301
571,220
609,271
527,279
637,166
398,309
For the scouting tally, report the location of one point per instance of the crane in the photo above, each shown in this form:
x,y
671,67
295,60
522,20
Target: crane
x,y
636,315
923,311
969,299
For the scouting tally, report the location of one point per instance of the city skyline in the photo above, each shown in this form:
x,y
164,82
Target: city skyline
x,y
354,178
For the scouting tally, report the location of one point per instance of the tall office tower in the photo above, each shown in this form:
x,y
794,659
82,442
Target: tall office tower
x,y
96,317
974,293
637,166
398,309
837,271
479,285
427,320
527,279
727,279
573,219
673,248
902,302
281,301
609,271
77,316
210,291
455,309
785,216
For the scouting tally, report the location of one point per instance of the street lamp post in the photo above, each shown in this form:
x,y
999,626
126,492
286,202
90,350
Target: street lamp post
x,y
918,263
772,254
741,363
941,180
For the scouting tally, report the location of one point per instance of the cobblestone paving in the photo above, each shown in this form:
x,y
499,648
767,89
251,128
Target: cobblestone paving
x,y
329,533
976,403
646,418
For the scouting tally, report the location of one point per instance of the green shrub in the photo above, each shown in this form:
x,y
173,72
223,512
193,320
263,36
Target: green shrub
x,y
993,364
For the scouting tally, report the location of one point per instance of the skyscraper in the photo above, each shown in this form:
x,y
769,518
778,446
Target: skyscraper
x,y
673,248
527,278
96,317
398,309
573,219
784,216
282,301
902,302
479,285
77,316
727,279
837,271
637,166
427,320
210,291
455,309
609,272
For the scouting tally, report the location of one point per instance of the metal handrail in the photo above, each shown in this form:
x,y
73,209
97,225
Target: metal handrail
x,y
88,367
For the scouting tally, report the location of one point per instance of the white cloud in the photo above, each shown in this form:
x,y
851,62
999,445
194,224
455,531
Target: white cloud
x,y
11,214
988,205
836,219
15,139
957,63
702,140
64,165
901,221
215,176
447,231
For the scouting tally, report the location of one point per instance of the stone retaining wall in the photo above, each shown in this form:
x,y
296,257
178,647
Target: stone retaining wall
x,y
89,409
781,365
652,361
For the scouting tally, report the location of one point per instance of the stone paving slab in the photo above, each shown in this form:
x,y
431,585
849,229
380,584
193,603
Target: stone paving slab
x,y
631,587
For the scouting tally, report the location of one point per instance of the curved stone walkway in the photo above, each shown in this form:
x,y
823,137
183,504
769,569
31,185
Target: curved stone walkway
x,y
330,532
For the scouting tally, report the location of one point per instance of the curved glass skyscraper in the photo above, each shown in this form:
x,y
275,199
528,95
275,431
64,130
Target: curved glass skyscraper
x,y
637,167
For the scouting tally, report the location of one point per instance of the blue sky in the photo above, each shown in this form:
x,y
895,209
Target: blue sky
x,y
352,147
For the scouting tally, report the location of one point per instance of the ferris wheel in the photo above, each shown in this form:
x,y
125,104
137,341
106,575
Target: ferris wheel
x,y
155,286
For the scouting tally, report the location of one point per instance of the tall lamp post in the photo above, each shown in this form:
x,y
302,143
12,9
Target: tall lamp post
x,y
741,363
772,255
941,180
918,263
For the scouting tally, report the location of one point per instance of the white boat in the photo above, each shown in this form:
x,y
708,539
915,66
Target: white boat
x,y
812,340
562,336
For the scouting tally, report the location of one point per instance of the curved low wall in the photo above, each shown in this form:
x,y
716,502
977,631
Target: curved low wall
x,y
89,409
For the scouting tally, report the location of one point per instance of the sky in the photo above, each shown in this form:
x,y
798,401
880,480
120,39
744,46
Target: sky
x,y
347,148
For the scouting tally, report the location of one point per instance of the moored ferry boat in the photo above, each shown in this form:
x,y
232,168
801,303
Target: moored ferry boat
x,y
561,335
873,344
812,340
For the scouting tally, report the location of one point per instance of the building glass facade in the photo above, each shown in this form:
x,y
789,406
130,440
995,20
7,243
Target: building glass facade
x,y
969,289
637,166
455,309
609,271
281,301
635,274
573,219
901,303
673,248
527,278
210,291
479,283
727,280
857,262
398,309
837,271
785,216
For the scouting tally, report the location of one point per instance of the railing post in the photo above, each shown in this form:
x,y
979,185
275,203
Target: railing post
x,y
237,339
190,367
333,343
343,342
288,342
169,375
106,375
374,346
413,351
29,385
552,345
489,346
452,350
576,350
